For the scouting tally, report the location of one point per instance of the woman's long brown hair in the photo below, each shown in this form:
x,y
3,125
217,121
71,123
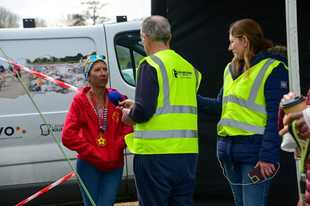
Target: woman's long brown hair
x,y
257,42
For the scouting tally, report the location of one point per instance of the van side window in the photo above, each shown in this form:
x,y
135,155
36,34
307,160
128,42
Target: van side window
x,y
54,57
129,52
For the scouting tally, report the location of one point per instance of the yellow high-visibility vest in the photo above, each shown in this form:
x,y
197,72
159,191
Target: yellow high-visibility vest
x,y
243,104
173,127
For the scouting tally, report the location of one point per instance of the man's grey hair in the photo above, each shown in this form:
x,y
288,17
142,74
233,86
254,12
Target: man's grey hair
x,y
157,28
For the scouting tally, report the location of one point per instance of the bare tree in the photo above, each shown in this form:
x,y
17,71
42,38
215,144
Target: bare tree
x,y
93,9
8,19
75,20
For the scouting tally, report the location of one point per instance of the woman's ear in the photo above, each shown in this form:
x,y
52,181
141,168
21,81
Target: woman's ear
x,y
245,41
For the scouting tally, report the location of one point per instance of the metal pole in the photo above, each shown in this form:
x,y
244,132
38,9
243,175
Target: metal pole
x,y
293,61
292,45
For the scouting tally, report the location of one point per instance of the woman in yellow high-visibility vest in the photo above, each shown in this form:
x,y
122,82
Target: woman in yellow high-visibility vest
x,y
248,145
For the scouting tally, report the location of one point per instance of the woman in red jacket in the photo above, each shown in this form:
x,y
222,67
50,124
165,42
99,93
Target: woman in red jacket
x,y
93,129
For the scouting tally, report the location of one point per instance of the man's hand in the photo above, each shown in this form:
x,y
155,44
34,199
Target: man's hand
x,y
125,117
127,103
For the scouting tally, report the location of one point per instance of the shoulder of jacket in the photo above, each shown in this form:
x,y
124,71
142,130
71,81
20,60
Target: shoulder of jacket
x,y
79,96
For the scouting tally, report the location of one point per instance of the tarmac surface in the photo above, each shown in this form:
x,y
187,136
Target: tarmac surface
x,y
197,203
210,202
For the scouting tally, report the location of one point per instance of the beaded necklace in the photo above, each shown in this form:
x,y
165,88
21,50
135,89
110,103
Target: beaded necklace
x,y
100,110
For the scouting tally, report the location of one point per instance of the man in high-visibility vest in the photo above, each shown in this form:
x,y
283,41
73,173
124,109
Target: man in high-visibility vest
x,y
165,138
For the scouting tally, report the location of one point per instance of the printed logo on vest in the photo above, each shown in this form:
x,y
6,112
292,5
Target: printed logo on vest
x,y
182,74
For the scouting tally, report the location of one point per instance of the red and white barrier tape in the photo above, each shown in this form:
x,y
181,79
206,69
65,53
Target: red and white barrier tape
x,y
40,75
16,69
46,189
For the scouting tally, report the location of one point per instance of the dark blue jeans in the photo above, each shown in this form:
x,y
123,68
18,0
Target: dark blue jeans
x,y
165,180
102,186
245,193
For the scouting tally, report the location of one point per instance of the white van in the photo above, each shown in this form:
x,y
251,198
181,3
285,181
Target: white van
x,y
28,153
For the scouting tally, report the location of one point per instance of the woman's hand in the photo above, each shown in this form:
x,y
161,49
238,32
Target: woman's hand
x,y
285,119
288,96
266,169
301,125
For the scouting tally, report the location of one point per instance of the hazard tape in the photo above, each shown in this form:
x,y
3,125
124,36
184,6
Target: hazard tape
x,y
16,71
18,67
47,188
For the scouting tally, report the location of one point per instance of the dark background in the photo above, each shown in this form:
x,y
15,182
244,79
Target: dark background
x,y
200,34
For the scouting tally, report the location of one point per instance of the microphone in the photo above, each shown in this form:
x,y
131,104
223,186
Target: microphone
x,y
115,97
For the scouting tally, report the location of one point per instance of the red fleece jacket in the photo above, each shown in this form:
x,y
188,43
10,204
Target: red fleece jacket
x,y
81,129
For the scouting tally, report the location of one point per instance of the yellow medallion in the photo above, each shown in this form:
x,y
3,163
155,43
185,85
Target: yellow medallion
x,y
101,141
116,116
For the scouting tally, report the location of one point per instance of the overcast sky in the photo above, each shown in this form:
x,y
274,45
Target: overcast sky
x,y
54,11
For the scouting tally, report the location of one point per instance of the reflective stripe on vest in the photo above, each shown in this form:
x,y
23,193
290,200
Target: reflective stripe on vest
x,y
242,125
249,103
167,134
167,108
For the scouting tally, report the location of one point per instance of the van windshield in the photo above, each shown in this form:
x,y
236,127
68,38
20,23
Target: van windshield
x,y
129,51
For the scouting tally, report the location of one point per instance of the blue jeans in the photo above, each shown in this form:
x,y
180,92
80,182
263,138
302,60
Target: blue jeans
x,y
102,185
165,179
247,194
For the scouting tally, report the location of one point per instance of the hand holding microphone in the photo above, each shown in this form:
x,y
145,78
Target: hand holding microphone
x,y
121,101
123,104
115,97
128,103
